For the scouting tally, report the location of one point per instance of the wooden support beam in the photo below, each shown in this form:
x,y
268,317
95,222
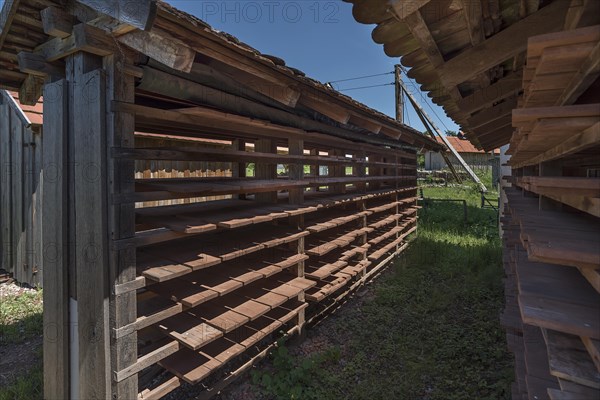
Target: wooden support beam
x,y
403,8
83,38
365,123
265,171
55,239
473,16
503,45
418,27
161,47
137,13
321,105
296,170
505,87
156,43
492,114
34,64
56,22
31,90
119,180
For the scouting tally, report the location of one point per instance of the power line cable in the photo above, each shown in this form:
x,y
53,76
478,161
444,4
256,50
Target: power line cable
x,y
360,77
365,87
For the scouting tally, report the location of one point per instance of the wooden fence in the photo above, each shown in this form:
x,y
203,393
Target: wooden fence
x,y
20,193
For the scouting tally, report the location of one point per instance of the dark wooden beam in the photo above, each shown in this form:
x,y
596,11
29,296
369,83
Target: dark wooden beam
x,y
403,8
34,64
503,45
31,90
137,13
505,87
56,22
492,113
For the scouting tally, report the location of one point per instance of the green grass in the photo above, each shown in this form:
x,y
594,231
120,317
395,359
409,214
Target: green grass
x,y
20,317
431,329
21,320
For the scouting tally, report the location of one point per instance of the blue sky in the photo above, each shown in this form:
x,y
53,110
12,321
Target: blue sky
x,y
320,38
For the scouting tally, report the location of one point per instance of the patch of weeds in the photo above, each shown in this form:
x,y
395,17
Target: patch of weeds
x,y
20,317
291,378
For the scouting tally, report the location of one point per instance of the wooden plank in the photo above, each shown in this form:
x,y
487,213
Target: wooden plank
x,y
161,47
54,237
146,361
570,360
137,13
486,97
503,45
189,331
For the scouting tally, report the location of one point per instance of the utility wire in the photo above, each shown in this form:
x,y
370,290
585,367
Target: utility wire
x,y
366,87
360,77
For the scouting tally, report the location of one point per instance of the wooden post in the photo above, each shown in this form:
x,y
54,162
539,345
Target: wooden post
x,y
296,170
337,171
119,178
361,172
88,142
264,170
239,169
55,238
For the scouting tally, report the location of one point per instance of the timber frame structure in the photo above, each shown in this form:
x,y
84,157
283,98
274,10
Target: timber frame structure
x,y
140,299
524,73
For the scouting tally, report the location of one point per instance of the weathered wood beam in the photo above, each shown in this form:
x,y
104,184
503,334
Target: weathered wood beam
x,y
156,43
56,22
138,13
492,113
473,16
162,47
502,46
9,10
331,110
365,123
31,90
34,64
483,98
54,236
403,8
83,38
418,27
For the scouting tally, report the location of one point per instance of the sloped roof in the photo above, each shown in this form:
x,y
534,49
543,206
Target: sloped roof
x,y
33,113
463,145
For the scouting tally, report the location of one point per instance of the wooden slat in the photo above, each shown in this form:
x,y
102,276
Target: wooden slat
x,y
569,359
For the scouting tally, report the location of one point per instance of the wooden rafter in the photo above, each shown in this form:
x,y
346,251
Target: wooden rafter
x,y
502,46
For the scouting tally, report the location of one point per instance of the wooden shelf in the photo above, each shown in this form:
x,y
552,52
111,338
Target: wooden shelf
x,y
574,245
569,359
194,366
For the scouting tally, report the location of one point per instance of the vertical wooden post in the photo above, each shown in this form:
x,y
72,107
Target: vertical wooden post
x,y
54,237
119,178
361,172
90,224
266,171
239,168
296,170
337,171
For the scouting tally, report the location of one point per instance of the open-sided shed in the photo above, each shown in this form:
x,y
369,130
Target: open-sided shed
x,y
195,289
524,73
